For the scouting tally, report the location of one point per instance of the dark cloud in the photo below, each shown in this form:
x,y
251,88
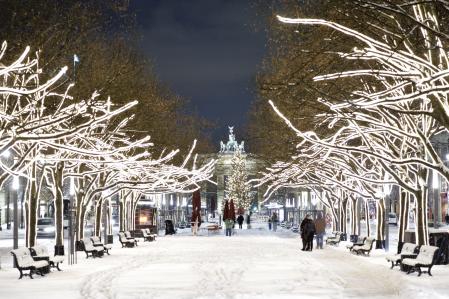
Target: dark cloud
x,y
205,50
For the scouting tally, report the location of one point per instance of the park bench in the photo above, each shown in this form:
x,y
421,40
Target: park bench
x,y
97,243
358,242
130,238
395,259
152,235
213,228
425,259
41,253
89,248
125,241
364,249
25,262
335,239
147,236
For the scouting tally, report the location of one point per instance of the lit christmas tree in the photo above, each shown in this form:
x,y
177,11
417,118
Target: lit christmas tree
x,y
237,189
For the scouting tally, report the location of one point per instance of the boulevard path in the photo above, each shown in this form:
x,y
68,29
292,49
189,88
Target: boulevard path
x,y
252,264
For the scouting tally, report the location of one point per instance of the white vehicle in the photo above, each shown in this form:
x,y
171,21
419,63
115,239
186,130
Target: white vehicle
x,y
45,227
392,218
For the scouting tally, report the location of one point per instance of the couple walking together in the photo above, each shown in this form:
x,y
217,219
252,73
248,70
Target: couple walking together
x,y
309,228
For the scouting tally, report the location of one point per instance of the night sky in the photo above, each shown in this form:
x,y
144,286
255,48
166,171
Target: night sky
x,y
207,51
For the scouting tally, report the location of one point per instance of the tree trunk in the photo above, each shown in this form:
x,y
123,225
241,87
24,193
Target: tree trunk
x,y
122,215
380,227
422,233
98,214
367,219
404,207
33,206
335,225
343,215
354,214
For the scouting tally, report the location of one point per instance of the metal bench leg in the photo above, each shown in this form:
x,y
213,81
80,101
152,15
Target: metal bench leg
x,y
428,271
21,273
392,265
419,271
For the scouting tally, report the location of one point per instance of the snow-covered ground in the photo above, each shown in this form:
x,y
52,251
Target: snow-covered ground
x,y
254,263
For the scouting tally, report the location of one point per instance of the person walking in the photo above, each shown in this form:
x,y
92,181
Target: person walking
x,y
240,220
320,230
228,225
309,228
303,233
274,220
269,223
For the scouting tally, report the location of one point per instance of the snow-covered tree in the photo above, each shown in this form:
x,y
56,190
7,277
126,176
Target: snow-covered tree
x,y
237,187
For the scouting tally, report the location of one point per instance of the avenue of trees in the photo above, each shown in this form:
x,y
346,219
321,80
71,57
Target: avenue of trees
x,y
356,91
82,128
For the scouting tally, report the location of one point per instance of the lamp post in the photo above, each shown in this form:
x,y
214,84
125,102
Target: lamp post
x,y
72,209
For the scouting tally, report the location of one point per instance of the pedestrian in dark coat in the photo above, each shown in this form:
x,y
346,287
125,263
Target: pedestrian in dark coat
x,y
309,228
302,230
240,220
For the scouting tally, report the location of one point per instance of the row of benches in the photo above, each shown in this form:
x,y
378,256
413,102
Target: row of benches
x,y
127,240
411,258
37,260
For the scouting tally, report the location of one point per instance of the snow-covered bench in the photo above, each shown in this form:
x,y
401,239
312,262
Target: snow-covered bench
x,y
360,241
365,248
130,238
24,261
97,243
125,241
41,253
147,236
335,239
89,248
152,235
395,259
425,259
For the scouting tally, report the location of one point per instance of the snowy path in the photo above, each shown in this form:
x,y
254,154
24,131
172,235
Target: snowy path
x,y
263,265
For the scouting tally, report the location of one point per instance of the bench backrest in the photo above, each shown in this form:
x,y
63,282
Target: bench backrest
x,y
95,239
427,253
361,240
23,257
368,243
144,232
40,250
122,237
408,248
128,234
88,245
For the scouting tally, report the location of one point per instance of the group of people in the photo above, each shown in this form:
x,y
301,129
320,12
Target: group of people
x,y
229,224
310,228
